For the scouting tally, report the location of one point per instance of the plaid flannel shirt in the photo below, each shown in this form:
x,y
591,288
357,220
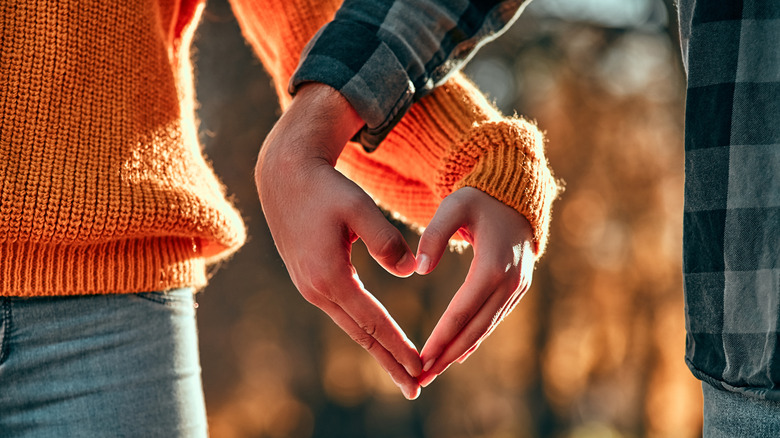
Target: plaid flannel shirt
x,y
383,55
731,251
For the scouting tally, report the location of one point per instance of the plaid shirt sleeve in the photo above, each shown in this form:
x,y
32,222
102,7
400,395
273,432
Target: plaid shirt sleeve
x,y
731,246
385,55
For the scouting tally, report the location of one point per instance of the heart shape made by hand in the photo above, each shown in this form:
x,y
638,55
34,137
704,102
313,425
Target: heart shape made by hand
x,y
499,275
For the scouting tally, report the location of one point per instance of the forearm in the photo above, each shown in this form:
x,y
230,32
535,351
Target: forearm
x,y
399,52
316,109
382,55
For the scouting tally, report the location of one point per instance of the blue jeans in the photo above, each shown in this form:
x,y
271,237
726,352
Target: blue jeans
x,y
733,415
103,365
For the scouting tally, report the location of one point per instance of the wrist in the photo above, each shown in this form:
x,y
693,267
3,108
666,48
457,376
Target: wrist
x,y
325,120
312,132
504,159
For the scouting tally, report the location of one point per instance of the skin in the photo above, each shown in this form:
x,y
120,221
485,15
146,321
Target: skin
x,y
499,275
315,214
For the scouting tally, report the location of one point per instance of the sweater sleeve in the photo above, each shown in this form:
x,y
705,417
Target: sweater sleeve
x,y
452,138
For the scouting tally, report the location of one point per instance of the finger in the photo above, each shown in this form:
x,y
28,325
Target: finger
x,y
408,384
527,274
330,277
471,351
520,280
329,281
437,368
510,305
449,217
343,288
372,317
384,242
480,284
468,338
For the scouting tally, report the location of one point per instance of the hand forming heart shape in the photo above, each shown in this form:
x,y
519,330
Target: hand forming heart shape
x,y
498,277
316,246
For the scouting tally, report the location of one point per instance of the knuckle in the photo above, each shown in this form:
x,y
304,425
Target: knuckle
x,y
356,203
311,296
324,286
435,236
365,340
391,242
320,283
456,201
365,336
369,328
461,319
494,275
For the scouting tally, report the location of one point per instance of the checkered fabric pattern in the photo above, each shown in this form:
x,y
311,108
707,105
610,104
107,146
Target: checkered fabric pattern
x,y
403,48
731,243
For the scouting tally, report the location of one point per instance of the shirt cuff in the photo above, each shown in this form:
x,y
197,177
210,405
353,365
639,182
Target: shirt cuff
x,y
355,67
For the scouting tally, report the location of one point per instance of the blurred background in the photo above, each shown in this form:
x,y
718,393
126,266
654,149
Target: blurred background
x,y
595,349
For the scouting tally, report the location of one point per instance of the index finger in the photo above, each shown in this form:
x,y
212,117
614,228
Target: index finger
x,y
326,278
408,384
470,300
369,324
375,323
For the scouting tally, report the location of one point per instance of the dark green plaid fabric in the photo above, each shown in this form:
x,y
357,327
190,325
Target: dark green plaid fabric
x,y
731,246
383,55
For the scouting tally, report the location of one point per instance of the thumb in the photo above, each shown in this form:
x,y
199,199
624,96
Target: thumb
x,y
449,217
384,242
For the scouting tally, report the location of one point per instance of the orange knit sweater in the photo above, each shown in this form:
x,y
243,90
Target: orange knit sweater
x,y
103,187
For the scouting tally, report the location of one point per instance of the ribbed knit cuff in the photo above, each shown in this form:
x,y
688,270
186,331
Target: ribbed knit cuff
x,y
123,266
504,159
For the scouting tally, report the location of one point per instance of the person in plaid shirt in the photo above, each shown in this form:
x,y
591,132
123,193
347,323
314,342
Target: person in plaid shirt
x,y
731,52
731,228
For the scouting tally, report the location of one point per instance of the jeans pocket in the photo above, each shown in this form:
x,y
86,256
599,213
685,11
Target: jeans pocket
x,y
182,297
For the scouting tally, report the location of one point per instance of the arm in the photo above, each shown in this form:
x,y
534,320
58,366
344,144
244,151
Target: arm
x,y
315,214
447,144
397,52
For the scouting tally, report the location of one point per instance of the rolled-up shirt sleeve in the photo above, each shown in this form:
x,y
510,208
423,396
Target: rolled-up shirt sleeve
x,y
385,55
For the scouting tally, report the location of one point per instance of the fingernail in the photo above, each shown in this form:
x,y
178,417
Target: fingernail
x,y
412,393
423,264
427,380
405,264
428,364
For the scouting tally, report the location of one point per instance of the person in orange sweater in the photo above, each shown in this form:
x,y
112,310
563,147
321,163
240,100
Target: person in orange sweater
x,y
109,212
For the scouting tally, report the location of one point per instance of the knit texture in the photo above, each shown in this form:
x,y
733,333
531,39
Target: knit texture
x,y
103,187
452,138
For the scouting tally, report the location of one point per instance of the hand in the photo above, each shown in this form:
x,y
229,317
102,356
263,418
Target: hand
x,y
498,277
315,214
